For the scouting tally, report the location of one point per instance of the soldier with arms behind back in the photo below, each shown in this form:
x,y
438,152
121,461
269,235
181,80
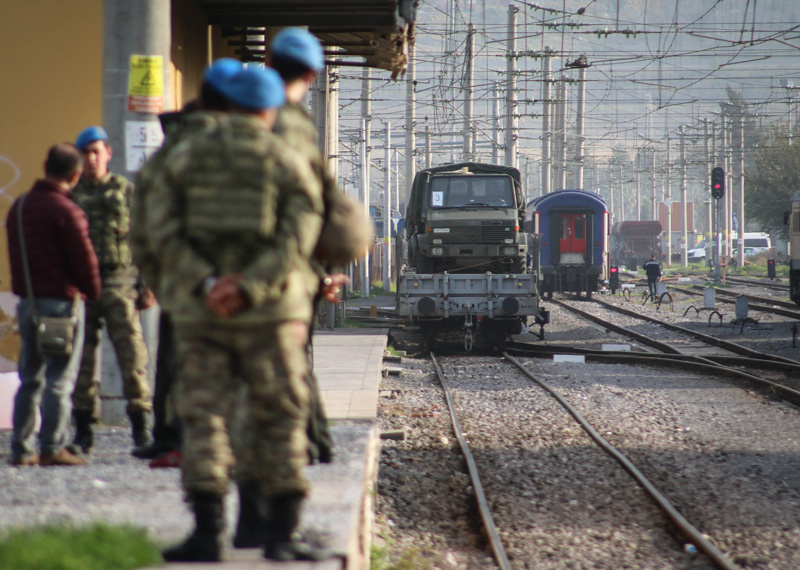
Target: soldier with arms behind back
x,y
234,219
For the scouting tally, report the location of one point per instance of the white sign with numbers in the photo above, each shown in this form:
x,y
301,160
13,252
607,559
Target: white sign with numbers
x,y
142,138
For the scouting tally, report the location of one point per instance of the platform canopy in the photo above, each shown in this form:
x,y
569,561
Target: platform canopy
x,y
368,33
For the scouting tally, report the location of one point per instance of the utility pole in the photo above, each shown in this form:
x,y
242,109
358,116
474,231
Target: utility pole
x,y
638,185
470,56
496,142
562,134
427,146
411,110
740,146
131,27
547,135
511,89
715,231
707,149
668,202
727,224
366,101
653,198
579,128
387,209
684,221
364,156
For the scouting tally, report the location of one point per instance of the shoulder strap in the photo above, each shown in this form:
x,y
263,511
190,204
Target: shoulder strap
x,y
26,269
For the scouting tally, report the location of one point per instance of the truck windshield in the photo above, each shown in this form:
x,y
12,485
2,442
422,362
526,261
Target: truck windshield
x,y
468,190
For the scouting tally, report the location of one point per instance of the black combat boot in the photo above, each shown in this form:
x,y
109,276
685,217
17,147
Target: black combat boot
x,y
249,533
139,430
203,545
84,433
283,515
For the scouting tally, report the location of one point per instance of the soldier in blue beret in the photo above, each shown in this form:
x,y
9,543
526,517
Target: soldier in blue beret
x,y
233,218
106,198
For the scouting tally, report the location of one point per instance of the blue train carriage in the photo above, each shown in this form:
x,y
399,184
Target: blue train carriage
x,y
794,248
573,252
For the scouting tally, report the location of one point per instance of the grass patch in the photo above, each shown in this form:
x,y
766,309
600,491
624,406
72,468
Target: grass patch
x,y
378,290
412,559
96,547
355,324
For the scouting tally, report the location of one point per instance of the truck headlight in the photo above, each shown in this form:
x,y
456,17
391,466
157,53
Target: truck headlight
x,y
437,251
510,250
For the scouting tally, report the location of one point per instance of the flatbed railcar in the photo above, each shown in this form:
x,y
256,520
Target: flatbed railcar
x,y
574,229
465,255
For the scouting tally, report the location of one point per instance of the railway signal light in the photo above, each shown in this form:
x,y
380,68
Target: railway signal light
x,y
613,279
718,182
771,268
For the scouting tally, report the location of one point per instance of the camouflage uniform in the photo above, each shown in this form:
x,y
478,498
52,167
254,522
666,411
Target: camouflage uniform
x,y
166,429
107,205
294,126
233,201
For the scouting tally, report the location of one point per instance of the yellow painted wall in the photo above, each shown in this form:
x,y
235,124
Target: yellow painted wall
x,y
51,87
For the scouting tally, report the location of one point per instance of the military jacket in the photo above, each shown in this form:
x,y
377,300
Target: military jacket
x,y
234,200
143,254
107,204
294,125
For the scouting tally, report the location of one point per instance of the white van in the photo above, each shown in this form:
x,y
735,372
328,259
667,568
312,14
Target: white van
x,y
754,243
698,253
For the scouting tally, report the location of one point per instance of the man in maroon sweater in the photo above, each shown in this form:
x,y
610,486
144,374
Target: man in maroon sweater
x,y
63,266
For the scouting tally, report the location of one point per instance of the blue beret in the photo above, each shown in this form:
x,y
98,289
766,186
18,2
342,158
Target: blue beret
x,y
300,46
221,71
255,88
89,135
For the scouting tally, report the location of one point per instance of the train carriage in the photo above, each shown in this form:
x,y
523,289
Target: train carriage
x,y
573,253
794,248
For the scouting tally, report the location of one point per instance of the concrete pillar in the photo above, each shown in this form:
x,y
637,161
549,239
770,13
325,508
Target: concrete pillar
x,y
133,28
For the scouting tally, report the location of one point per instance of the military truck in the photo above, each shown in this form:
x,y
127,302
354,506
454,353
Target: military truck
x,y
466,218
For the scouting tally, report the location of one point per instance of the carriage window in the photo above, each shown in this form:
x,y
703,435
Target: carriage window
x,y
564,228
579,223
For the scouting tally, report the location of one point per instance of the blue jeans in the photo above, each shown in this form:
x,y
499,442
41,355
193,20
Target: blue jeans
x,y
44,397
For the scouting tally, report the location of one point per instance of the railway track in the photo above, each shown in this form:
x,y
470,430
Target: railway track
x,y
685,530
776,375
765,304
753,282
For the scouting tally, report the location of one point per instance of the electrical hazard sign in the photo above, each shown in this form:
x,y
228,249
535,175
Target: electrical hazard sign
x,y
146,84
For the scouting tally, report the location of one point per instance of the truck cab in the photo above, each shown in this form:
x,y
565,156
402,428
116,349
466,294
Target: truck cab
x,y
466,218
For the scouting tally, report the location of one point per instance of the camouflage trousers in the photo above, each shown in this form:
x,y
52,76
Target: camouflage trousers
x,y
117,307
243,400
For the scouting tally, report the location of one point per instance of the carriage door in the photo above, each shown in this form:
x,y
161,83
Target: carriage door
x,y
572,239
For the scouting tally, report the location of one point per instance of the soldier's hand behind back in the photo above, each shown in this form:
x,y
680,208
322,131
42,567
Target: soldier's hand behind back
x,y
226,298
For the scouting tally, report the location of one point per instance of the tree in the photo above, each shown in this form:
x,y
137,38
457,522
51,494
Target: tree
x,y
773,180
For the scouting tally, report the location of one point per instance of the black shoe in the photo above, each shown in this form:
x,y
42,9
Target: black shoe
x,y
150,451
203,545
139,431
84,432
249,533
283,514
295,550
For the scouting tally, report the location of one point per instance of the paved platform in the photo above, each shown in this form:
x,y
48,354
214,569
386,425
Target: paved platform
x,y
348,364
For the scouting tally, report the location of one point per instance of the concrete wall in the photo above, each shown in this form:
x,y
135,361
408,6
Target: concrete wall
x,y
51,57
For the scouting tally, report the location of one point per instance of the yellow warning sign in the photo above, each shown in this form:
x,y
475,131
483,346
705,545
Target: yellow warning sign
x,y
146,84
